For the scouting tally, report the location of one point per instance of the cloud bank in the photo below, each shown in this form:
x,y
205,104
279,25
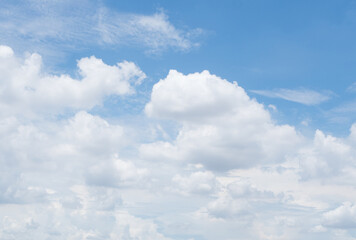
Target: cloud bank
x,y
229,171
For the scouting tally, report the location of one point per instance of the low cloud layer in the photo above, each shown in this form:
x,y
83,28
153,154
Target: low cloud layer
x,y
224,170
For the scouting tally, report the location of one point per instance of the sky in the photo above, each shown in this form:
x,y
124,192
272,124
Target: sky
x,y
178,120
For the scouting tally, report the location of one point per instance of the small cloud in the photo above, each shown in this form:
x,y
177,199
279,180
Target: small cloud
x,y
346,107
272,107
352,88
305,122
303,96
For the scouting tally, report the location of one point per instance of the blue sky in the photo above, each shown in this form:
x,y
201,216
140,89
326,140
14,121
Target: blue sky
x,y
177,119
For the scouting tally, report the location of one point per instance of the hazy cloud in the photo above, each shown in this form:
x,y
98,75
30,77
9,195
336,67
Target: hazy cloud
x,y
41,25
303,96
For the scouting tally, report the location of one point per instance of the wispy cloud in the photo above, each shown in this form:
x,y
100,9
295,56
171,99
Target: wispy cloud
x,y
154,32
303,96
345,107
64,24
352,87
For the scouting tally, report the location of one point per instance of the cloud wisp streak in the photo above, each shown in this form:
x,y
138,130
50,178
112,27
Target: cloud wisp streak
x,y
303,96
69,25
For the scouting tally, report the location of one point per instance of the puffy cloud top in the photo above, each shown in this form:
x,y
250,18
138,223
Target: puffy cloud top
x,y
198,96
222,127
342,217
25,87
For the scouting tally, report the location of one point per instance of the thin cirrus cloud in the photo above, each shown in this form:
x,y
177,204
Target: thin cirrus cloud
x,y
303,96
352,88
155,31
47,24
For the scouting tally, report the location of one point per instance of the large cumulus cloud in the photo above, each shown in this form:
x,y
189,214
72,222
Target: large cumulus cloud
x,y
221,126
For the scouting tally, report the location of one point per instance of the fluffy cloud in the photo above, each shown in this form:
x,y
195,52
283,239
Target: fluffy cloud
x,y
25,87
325,157
342,217
197,182
199,97
227,207
85,133
238,199
116,173
93,214
83,147
79,175
222,128
61,180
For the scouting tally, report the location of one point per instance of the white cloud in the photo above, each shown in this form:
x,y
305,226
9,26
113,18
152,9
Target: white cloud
x,y
197,182
132,228
116,173
152,31
342,217
318,228
274,108
352,87
25,88
6,51
222,128
73,147
227,207
92,135
352,136
45,188
303,96
42,25
197,96
243,189
325,157
96,216
346,107
238,199
83,176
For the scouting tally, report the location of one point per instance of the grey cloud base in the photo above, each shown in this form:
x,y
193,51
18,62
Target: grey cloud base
x,y
231,172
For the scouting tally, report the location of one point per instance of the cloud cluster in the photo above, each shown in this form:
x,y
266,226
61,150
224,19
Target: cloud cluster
x,y
60,177
261,164
226,170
